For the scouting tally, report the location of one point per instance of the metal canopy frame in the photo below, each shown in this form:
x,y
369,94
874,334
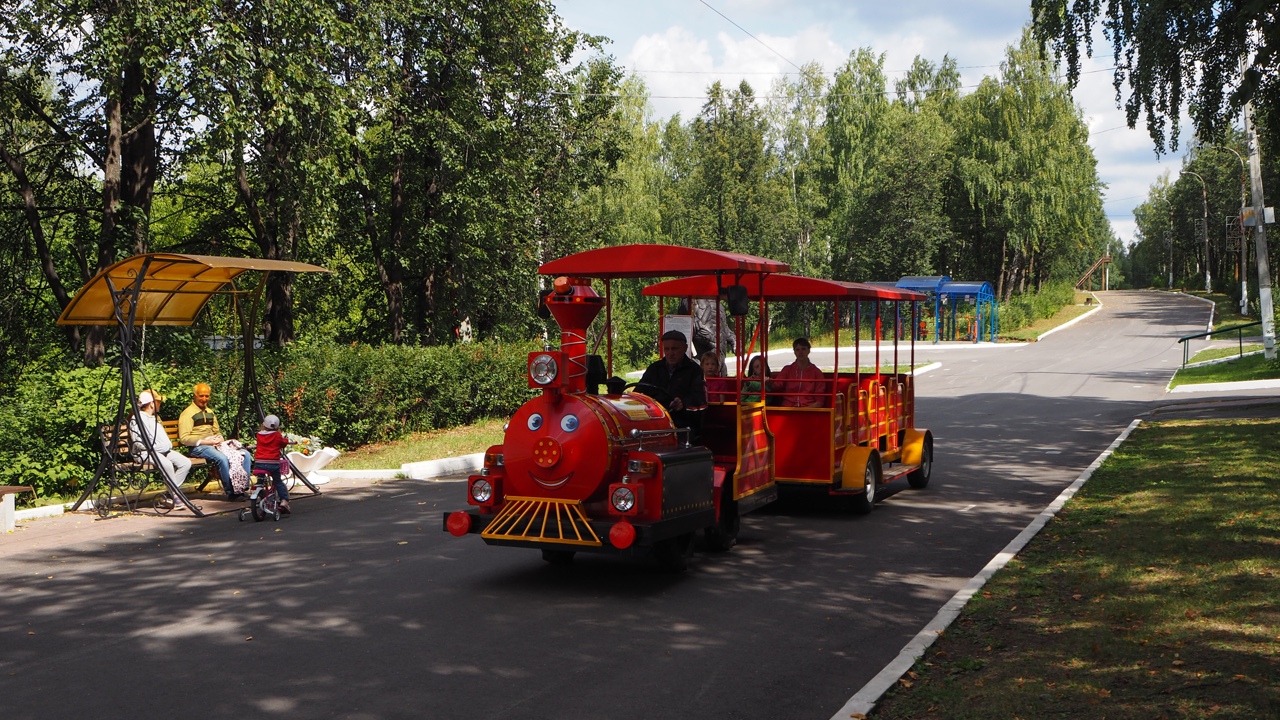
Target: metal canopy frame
x,y
169,289
798,288
984,299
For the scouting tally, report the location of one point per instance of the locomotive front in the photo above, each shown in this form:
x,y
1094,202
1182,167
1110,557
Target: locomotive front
x,y
580,471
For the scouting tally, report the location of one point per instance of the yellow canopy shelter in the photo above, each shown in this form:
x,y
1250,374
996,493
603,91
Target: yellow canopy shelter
x,y
167,289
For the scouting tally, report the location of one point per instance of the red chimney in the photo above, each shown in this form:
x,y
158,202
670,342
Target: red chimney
x,y
574,304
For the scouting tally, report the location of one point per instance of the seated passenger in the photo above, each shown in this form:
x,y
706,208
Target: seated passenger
x,y
801,382
719,389
758,372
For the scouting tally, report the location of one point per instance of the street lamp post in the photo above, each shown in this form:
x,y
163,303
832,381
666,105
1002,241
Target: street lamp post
x,y
1244,251
1204,227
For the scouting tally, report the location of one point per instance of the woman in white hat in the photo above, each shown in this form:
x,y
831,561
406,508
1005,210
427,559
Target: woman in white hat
x,y
145,425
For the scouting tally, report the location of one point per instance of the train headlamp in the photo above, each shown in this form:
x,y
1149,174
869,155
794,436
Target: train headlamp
x,y
481,490
543,368
623,499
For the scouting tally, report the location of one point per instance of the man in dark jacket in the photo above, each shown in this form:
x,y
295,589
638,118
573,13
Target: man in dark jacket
x,y
680,377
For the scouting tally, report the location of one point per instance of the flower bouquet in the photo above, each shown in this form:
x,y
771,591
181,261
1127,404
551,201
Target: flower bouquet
x,y
307,445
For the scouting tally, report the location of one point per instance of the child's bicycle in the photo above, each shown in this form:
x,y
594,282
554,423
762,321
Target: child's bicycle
x,y
264,502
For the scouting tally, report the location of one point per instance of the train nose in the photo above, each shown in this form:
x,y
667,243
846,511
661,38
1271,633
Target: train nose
x,y
547,452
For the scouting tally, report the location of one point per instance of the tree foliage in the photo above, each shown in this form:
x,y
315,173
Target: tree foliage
x,y
1212,56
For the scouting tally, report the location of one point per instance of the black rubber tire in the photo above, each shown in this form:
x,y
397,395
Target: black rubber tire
x,y
673,553
724,534
255,509
919,478
559,558
866,502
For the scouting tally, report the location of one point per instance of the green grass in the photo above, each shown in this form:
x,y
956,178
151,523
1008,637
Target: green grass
x,y
1151,595
1253,367
1221,352
423,446
1226,312
1033,331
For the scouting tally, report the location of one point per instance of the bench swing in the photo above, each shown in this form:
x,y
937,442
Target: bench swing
x,y
163,289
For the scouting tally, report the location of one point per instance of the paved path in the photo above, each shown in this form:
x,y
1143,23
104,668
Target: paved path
x,y
360,607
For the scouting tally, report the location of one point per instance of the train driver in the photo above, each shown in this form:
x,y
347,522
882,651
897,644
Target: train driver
x,y
680,377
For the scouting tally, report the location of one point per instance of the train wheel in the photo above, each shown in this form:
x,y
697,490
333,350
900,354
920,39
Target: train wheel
x,y
673,553
558,557
866,502
919,478
724,534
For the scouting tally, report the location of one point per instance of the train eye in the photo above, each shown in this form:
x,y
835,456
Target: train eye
x,y
569,423
535,421
543,369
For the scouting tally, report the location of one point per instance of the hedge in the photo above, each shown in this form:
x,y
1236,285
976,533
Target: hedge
x,y
347,395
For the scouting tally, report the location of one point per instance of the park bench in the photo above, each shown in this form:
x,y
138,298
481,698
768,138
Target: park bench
x,y
132,475
7,512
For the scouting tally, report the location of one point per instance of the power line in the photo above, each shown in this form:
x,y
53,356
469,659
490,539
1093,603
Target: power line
x,y
753,37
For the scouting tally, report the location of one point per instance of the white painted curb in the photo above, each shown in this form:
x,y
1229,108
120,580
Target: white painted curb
x,y
430,469
40,512
1070,322
865,699
1213,306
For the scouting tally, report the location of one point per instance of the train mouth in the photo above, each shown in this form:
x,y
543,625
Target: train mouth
x,y
551,484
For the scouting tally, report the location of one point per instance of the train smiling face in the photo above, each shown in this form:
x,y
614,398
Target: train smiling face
x,y
555,446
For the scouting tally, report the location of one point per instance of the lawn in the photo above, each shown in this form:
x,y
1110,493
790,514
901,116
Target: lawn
x,y
1252,367
1222,352
423,446
1151,595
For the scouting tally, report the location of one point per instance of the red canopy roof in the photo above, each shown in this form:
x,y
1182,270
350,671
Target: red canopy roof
x,y
781,288
639,261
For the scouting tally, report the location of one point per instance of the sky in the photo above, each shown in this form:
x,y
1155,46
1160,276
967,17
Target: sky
x,y
680,47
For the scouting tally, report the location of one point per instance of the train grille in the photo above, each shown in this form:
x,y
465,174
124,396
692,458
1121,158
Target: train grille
x,y
542,520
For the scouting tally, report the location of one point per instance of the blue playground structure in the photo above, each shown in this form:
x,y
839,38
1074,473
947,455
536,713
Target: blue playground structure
x,y
961,308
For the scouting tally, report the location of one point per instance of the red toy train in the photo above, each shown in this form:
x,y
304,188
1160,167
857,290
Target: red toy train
x,y
581,470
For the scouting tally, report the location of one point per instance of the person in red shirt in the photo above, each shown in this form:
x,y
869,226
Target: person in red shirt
x,y
267,456
801,382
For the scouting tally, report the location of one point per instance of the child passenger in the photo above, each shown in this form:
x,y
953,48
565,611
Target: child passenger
x,y
267,457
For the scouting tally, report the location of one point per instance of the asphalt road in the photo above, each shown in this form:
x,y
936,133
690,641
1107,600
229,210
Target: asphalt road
x,y
359,607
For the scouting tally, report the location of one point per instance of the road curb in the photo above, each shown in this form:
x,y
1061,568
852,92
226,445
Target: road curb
x,y
865,699
423,470
1070,322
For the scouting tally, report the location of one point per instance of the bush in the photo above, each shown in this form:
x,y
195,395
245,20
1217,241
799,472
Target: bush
x,y
1022,310
346,395
357,394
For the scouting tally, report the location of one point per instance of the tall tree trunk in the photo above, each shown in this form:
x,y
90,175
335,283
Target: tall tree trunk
x,y
95,339
138,165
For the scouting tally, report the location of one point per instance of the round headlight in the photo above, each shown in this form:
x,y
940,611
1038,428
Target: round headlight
x,y
543,369
623,499
481,490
